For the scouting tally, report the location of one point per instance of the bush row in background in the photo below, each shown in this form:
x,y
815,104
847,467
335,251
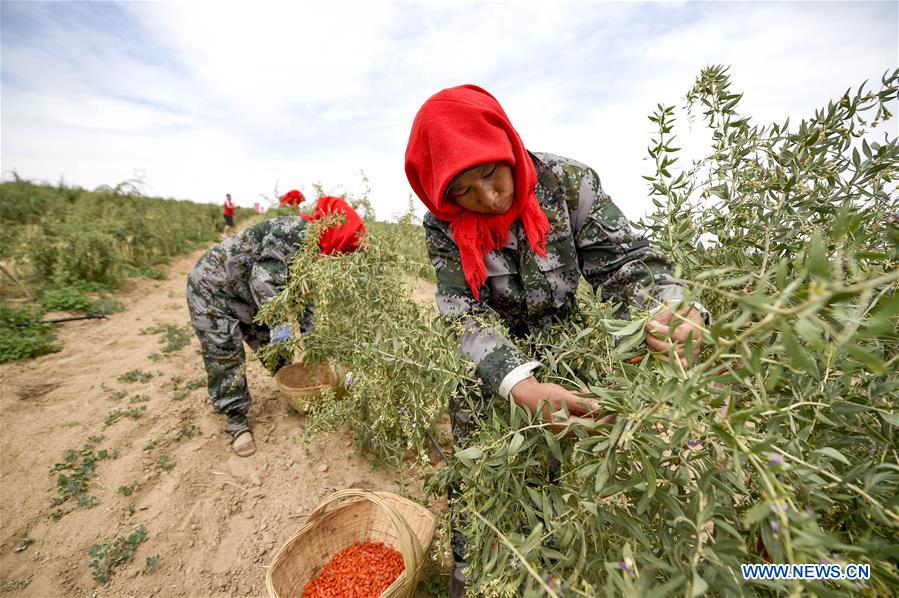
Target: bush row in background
x,y
71,246
61,235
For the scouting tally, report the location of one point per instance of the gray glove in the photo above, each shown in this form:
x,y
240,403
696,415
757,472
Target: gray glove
x,y
280,333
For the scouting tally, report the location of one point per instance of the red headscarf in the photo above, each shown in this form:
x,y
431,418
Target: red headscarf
x,y
456,129
292,198
341,238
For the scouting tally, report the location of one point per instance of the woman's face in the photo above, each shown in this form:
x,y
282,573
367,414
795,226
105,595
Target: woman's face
x,y
487,188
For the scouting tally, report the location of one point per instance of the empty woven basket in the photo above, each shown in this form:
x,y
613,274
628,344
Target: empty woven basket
x,y
302,384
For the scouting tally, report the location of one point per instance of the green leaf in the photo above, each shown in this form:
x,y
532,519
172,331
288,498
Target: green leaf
x,y
867,358
623,327
833,454
889,417
818,265
757,301
553,444
583,333
724,525
737,281
602,476
720,191
883,317
625,346
700,586
515,444
533,540
757,513
848,407
797,355
471,453
669,588
650,475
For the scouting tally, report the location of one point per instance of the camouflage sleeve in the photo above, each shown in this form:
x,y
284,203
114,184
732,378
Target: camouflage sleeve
x,y
613,258
269,272
494,355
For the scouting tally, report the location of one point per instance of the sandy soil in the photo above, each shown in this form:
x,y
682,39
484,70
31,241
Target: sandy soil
x,y
216,520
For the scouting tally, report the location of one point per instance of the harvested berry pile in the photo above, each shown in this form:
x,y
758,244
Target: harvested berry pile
x,y
363,570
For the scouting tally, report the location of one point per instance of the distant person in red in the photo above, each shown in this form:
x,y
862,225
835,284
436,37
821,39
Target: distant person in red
x,y
229,214
292,198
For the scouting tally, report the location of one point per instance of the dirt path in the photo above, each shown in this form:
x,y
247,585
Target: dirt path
x,y
214,519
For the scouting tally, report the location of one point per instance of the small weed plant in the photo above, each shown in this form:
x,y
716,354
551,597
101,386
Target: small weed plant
x,y
129,489
179,392
24,543
165,463
136,376
112,554
172,337
151,564
80,465
185,430
117,414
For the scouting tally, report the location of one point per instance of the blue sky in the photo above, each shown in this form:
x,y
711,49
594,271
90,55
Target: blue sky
x,y
204,98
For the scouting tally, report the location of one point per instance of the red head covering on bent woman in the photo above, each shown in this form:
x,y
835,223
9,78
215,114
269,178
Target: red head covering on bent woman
x,y
456,129
341,238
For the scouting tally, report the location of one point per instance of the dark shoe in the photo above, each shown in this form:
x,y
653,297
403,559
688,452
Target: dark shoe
x,y
457,581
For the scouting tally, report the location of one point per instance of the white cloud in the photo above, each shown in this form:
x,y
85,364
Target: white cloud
x,y
208,98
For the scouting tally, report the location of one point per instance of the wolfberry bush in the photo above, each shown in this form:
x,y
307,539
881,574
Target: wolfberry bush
x,y
780,440
400,359
782,437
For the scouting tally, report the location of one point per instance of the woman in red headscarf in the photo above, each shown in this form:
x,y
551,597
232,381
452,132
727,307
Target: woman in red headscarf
x,y
238,276
510,233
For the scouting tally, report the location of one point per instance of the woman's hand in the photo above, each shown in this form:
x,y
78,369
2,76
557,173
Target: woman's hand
x,y
660,338
529,393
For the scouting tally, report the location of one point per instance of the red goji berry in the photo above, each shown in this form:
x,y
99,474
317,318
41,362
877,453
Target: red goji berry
x,y
363,570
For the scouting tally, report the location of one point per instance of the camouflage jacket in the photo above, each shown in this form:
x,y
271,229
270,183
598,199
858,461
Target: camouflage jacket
x,y
590,237
252,265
